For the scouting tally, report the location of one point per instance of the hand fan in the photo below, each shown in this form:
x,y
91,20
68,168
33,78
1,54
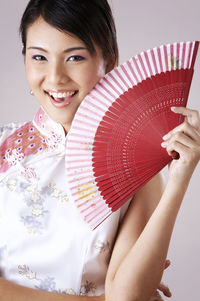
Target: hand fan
x,y
113,147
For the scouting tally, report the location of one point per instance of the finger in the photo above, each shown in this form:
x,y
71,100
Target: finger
x,y
156,297
165,290
167,264
175,146
187,129
183,139
193,115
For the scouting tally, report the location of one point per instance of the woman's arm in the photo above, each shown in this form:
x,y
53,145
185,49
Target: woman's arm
x,y
136,268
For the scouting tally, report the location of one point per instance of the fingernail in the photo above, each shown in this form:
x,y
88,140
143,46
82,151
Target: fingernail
x,y
166,137
173,109
163,144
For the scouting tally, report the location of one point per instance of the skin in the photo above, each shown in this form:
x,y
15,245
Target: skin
x,y
66,65
143,266
150,218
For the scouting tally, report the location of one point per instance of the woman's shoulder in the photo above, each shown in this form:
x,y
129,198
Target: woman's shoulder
x,y
8,129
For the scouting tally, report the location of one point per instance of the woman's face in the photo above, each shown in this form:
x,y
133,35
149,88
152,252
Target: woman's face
x,y
60,70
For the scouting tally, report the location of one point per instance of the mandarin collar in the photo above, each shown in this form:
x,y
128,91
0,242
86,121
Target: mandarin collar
x,y
47,126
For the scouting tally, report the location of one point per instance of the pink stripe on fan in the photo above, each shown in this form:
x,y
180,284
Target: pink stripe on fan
x,y
94,105
121,78
160,59
143,66
78,161
137,68
77,155
108,212
112,86
88,130
178,55
189,56
91,125
154,60
97,201
93,186
116,81
148,63
86,110
132,71
166,57
91,204
81,135
74,180
102,97
183,55
127,75
106,90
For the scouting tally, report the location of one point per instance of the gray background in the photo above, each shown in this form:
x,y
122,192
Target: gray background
x,y
141,25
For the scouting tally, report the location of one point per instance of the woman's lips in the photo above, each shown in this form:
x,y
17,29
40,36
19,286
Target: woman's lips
x,y
62,98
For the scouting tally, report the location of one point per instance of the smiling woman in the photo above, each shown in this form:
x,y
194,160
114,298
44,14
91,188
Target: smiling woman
x,y
47,252
60,74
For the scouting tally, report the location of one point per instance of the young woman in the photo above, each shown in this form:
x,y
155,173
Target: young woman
x,y
46,251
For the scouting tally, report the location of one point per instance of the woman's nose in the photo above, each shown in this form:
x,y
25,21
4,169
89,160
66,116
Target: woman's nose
x,y
57,74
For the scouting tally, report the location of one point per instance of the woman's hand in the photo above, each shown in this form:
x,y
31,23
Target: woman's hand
x,y
185,140
162,288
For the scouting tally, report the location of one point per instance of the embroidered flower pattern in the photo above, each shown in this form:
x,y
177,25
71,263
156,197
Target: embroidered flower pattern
x,y
58,194
54,140
88,287
15,157
11,184
104,249
36,199
102,246
21,143
47,283
29,174
25,270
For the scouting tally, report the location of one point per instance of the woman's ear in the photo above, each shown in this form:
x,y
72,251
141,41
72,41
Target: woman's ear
x,y
110,64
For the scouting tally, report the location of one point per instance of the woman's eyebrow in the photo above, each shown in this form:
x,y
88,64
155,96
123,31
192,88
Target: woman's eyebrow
x,y
65,51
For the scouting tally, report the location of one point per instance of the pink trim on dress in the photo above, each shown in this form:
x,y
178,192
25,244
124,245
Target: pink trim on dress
x,y
26,140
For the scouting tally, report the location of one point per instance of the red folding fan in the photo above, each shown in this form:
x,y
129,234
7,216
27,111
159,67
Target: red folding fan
x,y
114,144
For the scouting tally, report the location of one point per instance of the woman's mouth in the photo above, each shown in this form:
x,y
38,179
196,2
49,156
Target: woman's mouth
x,y
61,99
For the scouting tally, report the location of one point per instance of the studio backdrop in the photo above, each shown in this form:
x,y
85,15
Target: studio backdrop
x,y
140,25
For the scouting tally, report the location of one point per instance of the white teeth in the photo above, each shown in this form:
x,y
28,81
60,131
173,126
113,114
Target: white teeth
x,y
61,95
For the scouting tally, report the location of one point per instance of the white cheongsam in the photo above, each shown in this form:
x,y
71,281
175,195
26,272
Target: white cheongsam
x,y
44,242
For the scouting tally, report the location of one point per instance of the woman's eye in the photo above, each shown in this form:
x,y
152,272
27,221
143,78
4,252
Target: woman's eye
x,y
76,58
39,58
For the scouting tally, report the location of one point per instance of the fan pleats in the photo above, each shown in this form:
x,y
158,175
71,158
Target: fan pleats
x,y
114,144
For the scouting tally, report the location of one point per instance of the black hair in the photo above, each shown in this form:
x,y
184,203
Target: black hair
x,y
89,20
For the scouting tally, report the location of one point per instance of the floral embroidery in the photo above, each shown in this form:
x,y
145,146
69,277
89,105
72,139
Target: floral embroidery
x,y
36,199
11,184
54,140
58,194
19,145
25,270
88,287
29,174
102,247
45,284
15,157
